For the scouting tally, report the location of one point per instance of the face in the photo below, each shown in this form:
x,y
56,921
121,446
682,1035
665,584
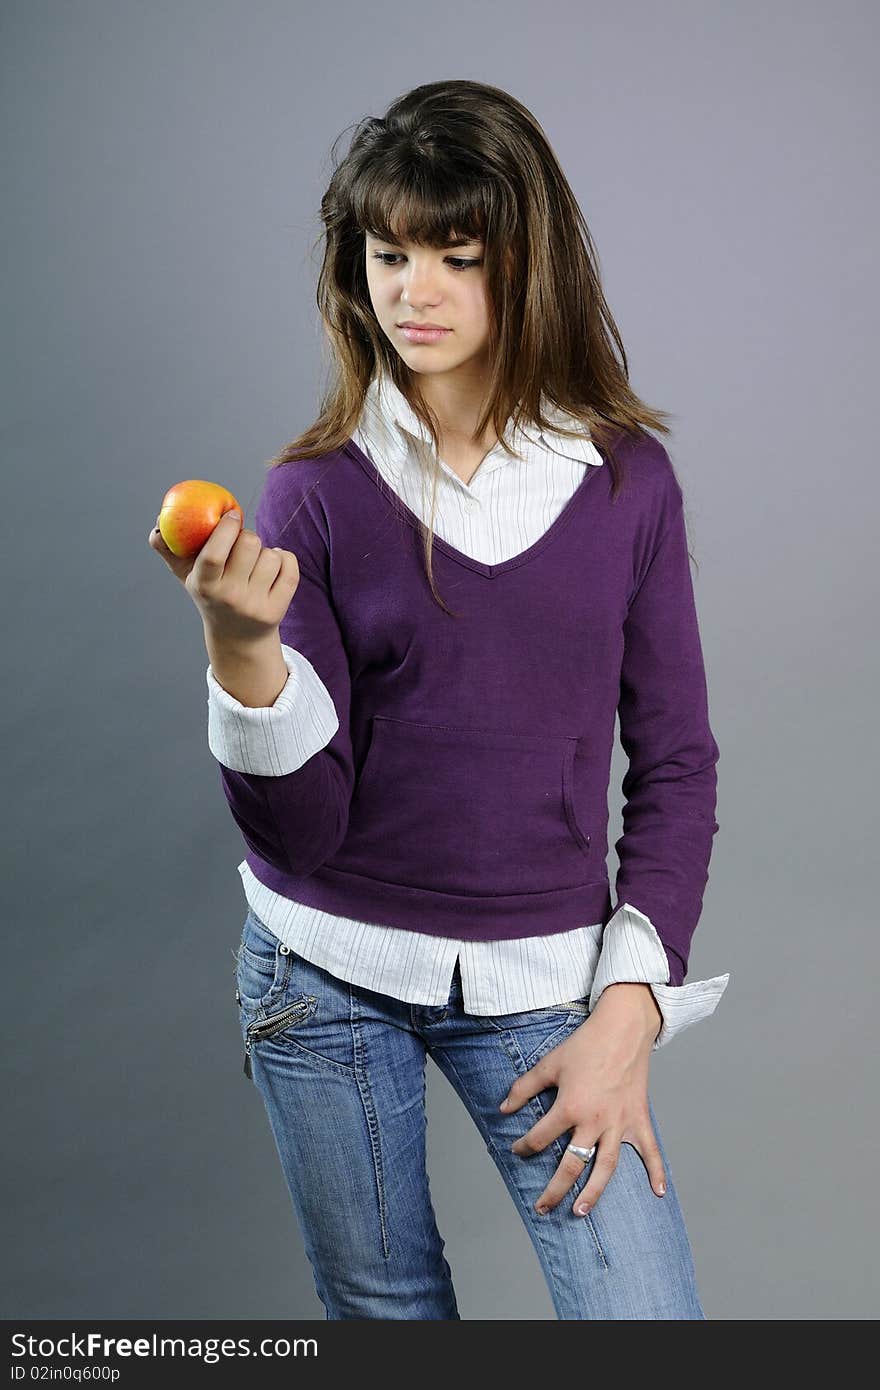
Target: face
x,y
419,284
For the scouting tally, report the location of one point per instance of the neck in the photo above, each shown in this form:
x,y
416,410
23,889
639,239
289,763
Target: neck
x,y
458,404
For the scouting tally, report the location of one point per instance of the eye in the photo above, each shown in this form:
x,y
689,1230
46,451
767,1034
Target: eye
x,y
458,263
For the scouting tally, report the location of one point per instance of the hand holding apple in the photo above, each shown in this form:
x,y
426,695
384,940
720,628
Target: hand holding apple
x,y
241,589
189,513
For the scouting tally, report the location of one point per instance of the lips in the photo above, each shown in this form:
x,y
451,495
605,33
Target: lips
x,y
424,336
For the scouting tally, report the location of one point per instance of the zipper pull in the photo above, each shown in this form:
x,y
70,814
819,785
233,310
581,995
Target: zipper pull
x,y
247,1048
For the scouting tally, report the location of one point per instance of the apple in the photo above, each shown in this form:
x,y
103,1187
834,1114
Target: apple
x,y
189,513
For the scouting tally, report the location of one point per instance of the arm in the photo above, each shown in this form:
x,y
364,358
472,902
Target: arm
x,y
288,780
670,785
255,676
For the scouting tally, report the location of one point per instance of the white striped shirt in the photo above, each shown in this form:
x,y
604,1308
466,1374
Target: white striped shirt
x,y
505,507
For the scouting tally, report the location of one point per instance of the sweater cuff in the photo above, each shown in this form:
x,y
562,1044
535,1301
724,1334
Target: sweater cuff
x,y
272,740
633,952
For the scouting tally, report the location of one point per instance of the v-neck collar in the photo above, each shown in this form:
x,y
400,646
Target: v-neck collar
x,y
459,556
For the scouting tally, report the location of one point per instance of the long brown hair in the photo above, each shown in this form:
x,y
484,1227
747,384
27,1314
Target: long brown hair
x,y
463,159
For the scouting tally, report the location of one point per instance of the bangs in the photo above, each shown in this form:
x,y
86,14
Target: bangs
x,y
419,205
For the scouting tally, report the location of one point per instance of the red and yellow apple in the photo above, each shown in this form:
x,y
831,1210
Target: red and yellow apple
x,y
190,510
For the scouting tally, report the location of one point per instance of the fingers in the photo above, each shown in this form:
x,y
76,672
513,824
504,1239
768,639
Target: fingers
x,y
157,540
604,1164
589,1129
177,563
552,1123
648,1150
608,1156
287,575
570,1168
536,1079
211,561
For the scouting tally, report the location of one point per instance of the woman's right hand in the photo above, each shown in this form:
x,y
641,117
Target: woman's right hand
x,y
241,589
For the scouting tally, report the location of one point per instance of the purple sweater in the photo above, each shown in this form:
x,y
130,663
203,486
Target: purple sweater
x,y
465,791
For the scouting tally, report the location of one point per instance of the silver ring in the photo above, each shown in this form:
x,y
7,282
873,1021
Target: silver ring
x,y
585,1154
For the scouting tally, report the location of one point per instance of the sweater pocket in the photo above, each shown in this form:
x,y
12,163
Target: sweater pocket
x,y
467,810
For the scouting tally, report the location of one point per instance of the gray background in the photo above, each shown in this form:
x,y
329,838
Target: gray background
x,y
162,167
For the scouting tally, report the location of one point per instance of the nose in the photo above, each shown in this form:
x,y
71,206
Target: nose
x,y
420,287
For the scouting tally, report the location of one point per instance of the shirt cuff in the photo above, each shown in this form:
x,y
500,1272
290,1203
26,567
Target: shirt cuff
x,y
272,740
633,952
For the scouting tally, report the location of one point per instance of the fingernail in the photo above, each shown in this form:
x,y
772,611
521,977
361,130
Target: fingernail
x,y
661,1188
504,1103
583,1209
236,516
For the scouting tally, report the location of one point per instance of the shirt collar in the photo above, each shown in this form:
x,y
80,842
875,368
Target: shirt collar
x,y
391,411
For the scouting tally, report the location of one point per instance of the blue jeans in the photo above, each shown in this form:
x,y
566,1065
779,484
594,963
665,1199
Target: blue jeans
x,y
341,1070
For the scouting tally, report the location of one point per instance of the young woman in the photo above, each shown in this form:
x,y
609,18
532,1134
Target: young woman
x,y
462,572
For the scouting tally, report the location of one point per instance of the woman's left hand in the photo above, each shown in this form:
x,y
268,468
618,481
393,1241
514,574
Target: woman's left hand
x,y
601,1076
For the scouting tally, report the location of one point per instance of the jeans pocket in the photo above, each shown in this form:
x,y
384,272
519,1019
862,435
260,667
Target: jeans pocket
x,y
264,964
532,1033
294,1014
